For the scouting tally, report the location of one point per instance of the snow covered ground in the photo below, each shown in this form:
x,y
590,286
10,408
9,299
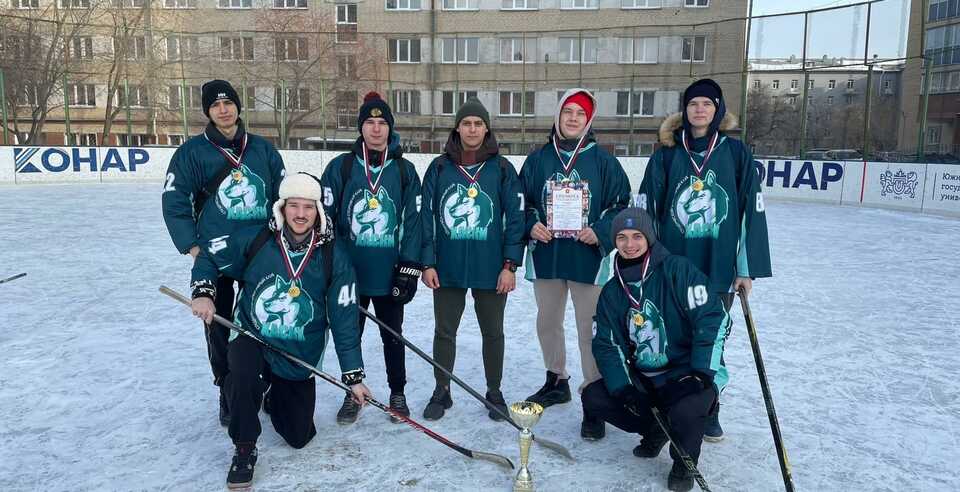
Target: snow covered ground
x,y
105,384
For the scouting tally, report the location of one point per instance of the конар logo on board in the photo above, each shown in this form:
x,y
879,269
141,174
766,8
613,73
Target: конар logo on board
x,y
78,159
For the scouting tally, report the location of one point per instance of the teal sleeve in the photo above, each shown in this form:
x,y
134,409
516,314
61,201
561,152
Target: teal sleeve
x,y
705,313
223,255
653,189
330,182
616,197
531,193
181,185
609,344
428,256
511,202
342,312
753,252
277,173
412,230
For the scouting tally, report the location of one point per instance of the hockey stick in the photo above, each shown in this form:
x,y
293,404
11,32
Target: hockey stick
x,y
10,279
491,457
555,447
767,397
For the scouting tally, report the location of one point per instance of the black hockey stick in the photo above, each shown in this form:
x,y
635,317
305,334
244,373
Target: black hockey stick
x,y
555,447
767,397
10,279
493,458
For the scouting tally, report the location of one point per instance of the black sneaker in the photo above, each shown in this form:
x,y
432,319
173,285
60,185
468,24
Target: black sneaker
x,y
224,409
496,397
398,402
241,470
651,444
554,391
349,411
439,402
592,429
680,479
712,432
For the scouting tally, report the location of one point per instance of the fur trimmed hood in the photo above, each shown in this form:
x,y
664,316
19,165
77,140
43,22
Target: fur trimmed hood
x,y
673,123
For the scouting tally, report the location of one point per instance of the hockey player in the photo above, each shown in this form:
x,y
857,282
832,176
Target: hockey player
x,y
657,327
703,192
473,239
373,198
558,265
217,182
297,289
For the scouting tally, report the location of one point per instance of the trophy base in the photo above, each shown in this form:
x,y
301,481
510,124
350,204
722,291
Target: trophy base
x,y
523,486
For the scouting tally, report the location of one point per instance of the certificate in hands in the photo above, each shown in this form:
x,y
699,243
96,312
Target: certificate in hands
x,y
567,207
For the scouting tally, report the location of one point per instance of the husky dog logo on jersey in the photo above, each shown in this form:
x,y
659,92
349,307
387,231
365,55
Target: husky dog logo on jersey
x,y
282,310
467,212
242,195
647,331
700,206
373,219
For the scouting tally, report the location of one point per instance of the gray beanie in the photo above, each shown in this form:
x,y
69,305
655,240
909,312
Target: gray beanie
x,y
472,107
634,218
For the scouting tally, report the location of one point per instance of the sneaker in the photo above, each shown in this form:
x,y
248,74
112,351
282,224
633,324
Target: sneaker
x,y
241,469
398,402
592,429
651,444
680,479
496,398
554,391
349,411
712,432
439,402
224,409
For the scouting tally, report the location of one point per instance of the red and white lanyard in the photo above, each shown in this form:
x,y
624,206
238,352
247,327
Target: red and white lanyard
x,y
471,180
706,157
643,276
568,166
234,161
295,274
374,185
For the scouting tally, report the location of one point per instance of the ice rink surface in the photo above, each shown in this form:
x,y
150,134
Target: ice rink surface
x,y
105,383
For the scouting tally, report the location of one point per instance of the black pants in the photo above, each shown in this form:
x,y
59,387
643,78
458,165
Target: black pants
x,y
686,418
291,402
390,312
217,334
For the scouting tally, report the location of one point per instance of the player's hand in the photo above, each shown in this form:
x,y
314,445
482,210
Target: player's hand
x,y
203,308
506,282
540,233
743,285
360,393
194,251
587,236
430,278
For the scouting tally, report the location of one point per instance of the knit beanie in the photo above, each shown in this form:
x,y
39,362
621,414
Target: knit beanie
x,y
472,107
634,218
216,90
711,90
582,100
374,107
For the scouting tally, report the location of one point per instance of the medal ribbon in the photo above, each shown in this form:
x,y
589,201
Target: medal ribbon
x,y
471,179
706,157
234,161
568,166
295,274
643,275
374,185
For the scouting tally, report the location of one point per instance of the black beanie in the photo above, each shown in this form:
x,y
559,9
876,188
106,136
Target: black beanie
x,y
216,90
633,218
711,90
472,107
374,107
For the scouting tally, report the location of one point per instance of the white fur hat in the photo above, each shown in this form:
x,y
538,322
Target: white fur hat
x,y
300,185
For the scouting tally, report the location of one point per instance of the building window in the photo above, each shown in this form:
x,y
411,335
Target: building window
x,y
640,104
849,83
460,5
28,95
514,103
404,50
696,3
74,4
579,4
346,67
639,50
236,49
138,97
520,5
459,50
776,84
933,135
82,48
447,99
571,49
27,4
127,4
132,48
756,84
192,96
234,4
291,49
175,139
792,100
829,100
831,84
848,99
80,139
403,4
136,140
289,4
887,85
82,95
297,99
346,109
810,84
694,49
406,102
518,50
640,4
183,47
347,23
794,84
181,4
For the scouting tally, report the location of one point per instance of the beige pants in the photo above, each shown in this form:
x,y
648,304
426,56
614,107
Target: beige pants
x,y
551,303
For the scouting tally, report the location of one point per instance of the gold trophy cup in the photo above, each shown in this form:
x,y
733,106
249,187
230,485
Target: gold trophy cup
x,y
526,414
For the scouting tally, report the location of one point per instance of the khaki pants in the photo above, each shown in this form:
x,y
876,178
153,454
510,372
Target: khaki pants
x,y
551,297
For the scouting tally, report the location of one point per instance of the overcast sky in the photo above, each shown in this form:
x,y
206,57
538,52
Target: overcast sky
x,y
835,33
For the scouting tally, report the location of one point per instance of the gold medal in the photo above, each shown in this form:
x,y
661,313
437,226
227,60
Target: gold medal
x,y
697,185
237,175
373,203
294,291
472,192
637,319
